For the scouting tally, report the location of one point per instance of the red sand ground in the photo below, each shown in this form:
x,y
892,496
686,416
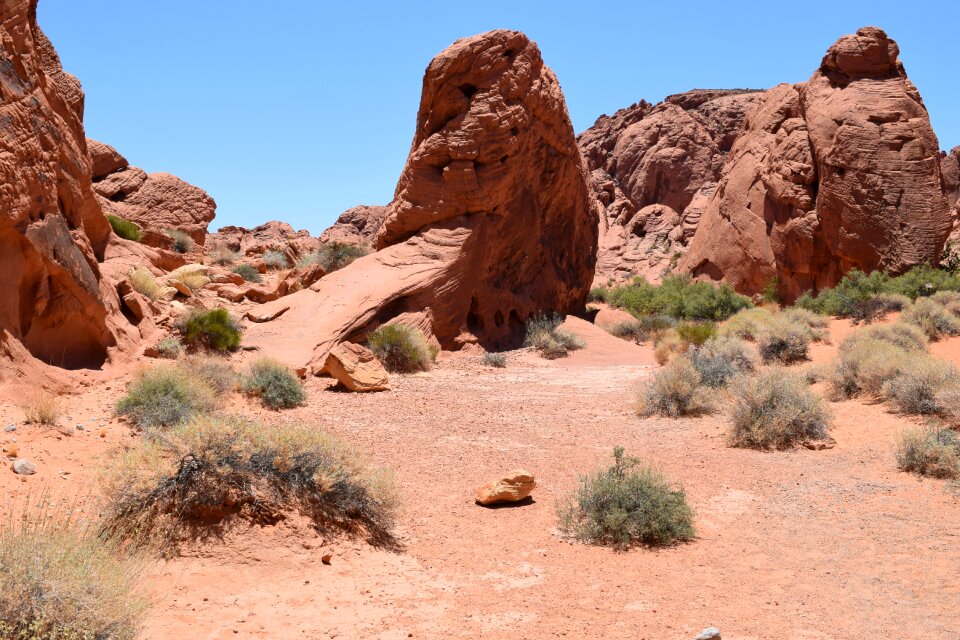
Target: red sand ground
x,y
800,544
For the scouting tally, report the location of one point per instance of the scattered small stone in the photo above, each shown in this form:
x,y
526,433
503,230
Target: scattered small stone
x,y
325,559
10,427
79,427
24,467
710,633
511,487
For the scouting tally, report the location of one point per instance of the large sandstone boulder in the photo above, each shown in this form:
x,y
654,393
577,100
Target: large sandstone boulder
x,y
357,226
510,487
492,221
837,173
356,368
156,202
52,230
669,155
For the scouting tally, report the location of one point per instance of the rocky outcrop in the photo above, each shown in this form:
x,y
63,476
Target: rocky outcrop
x,y
53,233
669,155
156,202
837,173
356,226
492,220
271,236
950,173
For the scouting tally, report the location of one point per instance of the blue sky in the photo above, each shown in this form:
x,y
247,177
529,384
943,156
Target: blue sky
x,y
299,110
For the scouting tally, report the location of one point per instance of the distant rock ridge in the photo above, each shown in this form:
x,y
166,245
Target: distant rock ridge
x,y
270,236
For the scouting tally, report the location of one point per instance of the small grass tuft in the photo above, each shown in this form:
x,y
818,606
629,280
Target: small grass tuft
x,y
248,272
401,348
274,383
627,504
495,360
124,228
41,407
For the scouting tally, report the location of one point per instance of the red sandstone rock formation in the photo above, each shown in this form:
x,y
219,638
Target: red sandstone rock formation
x,y
270,236
836,173
55,306
356,226
492,220
950,173
668,155
156,202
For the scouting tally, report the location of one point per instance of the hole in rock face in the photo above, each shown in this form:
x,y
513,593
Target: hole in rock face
x,y
503,160
514,131
468,90
498,318
474,320
510,54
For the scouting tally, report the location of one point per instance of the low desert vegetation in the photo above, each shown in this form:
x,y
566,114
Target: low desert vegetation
x,y
40,406
401,348
248,272
215,371
642,329
274,383
721,359
675,390
166,395
933,318
495,360
203,474
333,256
696,333
923,386
746,323
627,504
194,280
143,282
550,341
182,242
124,228
170,348
213,330
932,451
59,580
784,341
775,409
678,296
223,256
275,260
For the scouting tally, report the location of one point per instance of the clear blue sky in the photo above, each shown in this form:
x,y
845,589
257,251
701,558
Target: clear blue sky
x,y
298,110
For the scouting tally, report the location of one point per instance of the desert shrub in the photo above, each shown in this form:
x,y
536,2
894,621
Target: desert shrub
x,y
783,341
124,228
207,472
667,345
169,348
306,259
598,294
946,298
215,330
924,280
275,260
495,360
678,296
719,359
877,306
544,335
774,409
746,323
248,272
628,330
59,580
931,452
39,406
216,372
674,391
932,318
864,365
916,387
815,373
627,504
143,282
401,348
193,279
182,242
817,325
336,255
696,333
906,336
274,383
223,256
165,395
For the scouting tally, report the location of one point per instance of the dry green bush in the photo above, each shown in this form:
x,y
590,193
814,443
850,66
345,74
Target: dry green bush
x,y
544,335
223,256
817,325
39,406
401,348
775,409
919,386
668,345
781,340
721,358
495,360
933,452
61,581
906,336
275,260
201,475
215,371
746,323
143,282
932,318
169,348
674,391
165,395
248,272
626,504
211,330
274,383
865,365
182,242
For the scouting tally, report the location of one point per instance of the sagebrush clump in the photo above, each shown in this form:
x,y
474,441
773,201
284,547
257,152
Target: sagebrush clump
x,y
545,335
205,473
918,386
214,330
673,391
248,272
495,360
182,242
932,318
784,341
275,260
933,452
274,383
169,348
627,504
401,348
333,256
774,409
720,359
165,395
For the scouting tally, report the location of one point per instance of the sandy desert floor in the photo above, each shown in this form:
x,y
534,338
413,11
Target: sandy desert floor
x,y
802,544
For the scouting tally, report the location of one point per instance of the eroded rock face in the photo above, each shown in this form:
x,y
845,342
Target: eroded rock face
x,y
270,236
669,154
837,173
950,173
357,226
52,231
156,202
492,220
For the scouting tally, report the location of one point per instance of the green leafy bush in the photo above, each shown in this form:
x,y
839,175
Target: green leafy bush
x,y
678,296
274,383
627,504
696,333
335,256
215,330
248,272
401,348
933,452
673,391
204,474
124,228
774,409
164,396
